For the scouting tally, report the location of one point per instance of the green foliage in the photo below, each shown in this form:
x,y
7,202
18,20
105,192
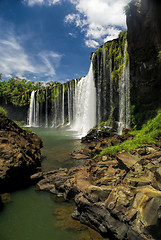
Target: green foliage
x,y
118,60
28,130
55,93
17,91
52,83
3,111
98,50
102,125
127,59
17,123
116,74
159,56
114,50
147,135
122,40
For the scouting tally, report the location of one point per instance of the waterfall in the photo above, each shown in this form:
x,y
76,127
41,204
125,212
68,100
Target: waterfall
x,y
37,110
124,96
31,115
46,109
85,101
63,105
102,96
69,105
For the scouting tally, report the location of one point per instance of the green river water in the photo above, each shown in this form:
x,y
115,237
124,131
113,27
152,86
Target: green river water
x,y
36,215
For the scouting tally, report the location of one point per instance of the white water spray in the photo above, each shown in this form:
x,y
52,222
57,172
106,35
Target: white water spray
x,y
31,115
85,101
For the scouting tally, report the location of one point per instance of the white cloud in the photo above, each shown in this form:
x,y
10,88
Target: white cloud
x,y
76,18
15,61
41,2
112,33
91,43
100,19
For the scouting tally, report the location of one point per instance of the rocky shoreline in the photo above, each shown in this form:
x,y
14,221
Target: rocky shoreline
x,y
119,196
20,155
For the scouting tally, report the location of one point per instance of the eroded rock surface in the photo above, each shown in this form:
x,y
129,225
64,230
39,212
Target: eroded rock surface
x,y
19,155
119,196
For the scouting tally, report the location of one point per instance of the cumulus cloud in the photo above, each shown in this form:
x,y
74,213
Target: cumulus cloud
x,y
76,18
15,61
41,2
100,19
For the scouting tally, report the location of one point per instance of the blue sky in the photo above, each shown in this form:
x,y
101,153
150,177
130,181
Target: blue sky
x,y
45,40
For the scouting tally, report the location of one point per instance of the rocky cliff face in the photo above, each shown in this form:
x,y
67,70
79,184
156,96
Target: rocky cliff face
x,y
19,155
110,63
144,44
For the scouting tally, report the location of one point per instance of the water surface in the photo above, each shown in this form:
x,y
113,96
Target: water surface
x,y
36,215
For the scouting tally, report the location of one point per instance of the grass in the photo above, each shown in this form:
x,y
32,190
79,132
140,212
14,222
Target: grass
x,y
149,134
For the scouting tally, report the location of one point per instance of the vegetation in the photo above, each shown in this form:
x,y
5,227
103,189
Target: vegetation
x,y
53,83
17,91
149,134
159,56
3,111
113,55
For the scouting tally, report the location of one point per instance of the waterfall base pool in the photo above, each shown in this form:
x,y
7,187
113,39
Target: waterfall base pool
x,y
36,215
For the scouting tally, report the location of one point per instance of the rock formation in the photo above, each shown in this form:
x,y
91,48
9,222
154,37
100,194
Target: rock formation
x,y
118,196
20,155
144,44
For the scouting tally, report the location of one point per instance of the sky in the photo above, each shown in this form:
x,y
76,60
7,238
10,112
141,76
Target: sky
x,y
43,40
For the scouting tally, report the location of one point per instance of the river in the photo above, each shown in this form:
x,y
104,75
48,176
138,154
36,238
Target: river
x,y
36,215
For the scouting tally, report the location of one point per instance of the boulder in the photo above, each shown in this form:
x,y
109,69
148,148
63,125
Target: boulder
x,y
20,155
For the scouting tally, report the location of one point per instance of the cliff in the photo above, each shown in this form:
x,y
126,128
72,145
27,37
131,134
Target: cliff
x,y
144,44
111,71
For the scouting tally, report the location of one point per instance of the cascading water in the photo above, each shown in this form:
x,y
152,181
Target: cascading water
x,y
37,108
31,115
63,105
85,101
101,96
69,105
124,95
46,109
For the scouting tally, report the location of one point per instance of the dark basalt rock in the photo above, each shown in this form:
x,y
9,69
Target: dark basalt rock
x,y
20,155
144,44
95,134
